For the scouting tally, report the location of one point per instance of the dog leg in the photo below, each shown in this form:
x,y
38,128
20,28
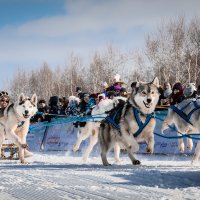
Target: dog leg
x,y
181,146
189,141
150,144
93,141
189,144
16,139
26,152
117,152
83,134
130,149
168,120
197,154
104,152
22,133
105,143
131,145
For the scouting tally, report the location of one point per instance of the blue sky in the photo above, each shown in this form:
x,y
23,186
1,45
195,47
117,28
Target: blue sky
x,y
36,31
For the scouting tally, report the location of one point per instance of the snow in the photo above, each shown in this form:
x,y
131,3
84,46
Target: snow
x,y
63,175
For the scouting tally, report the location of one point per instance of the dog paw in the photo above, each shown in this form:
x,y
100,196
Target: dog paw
x,y
107,164
75,148
136,162
182,148
25,163
148,150
190,147
24,146
85,159
117,162
28,154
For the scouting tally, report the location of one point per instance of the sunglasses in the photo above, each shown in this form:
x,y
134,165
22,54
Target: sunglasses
x,y
3,100
3,93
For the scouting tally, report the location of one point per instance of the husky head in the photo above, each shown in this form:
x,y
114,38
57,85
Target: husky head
x,y
26,107
145,96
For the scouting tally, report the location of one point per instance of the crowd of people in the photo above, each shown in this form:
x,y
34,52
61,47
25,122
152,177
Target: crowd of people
x,y
173,95
82,103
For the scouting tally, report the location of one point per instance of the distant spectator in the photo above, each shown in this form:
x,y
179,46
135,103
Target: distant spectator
x,y
63,105
165,94
123,92
177,94
79,92
4,99
83,104
53,105
190,91
91,103
72,108
111,94
117,86
43,109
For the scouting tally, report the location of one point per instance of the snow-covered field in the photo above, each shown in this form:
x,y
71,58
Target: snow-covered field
x,y
61,175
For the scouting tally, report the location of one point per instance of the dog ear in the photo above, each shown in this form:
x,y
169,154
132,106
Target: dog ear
x,y
135,84
21,97
156,82
34,99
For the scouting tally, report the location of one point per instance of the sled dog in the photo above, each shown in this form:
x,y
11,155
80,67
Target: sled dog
x,y
91,129
136,122
189,125
15,121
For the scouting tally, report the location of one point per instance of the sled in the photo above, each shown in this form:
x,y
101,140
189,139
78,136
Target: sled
x,y
9,152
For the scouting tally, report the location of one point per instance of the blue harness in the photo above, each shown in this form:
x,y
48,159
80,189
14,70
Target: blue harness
x,y
111,119
181,113
138,120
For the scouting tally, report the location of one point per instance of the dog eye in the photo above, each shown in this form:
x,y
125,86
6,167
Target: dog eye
x,y
152,92
144,93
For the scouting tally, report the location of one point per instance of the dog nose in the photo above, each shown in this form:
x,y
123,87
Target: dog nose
x,y
148,100
26,112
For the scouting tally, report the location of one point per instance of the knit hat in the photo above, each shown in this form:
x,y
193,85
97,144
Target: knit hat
x,y
4,94
117,79
78,89
178,86
189,90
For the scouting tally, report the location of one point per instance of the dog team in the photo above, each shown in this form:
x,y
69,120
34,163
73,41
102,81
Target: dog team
x,y
126,120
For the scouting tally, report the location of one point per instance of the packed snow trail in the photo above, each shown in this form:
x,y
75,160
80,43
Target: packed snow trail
x,y
61,175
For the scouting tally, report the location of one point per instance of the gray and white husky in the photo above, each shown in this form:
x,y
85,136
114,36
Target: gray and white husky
x,y
15,121
142,102
91,129
185,127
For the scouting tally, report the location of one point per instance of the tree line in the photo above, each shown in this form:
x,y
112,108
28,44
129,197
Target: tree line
x,y
172,53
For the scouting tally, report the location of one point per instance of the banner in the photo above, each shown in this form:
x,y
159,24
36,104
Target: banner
x,y
34,138
62,137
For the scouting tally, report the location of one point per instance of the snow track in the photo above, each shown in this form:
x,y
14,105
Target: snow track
x,y
63,176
